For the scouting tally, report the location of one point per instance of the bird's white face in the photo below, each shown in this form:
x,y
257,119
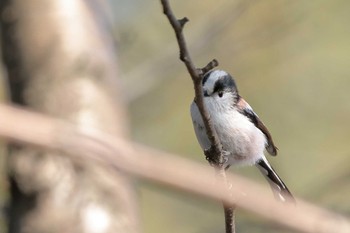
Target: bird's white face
x,y
210,80
219,90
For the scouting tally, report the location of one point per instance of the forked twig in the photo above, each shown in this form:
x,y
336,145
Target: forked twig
x,y
215,151
196,74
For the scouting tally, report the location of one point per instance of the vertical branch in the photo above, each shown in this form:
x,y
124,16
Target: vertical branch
x,y
230,224
229,209
196,75
215,152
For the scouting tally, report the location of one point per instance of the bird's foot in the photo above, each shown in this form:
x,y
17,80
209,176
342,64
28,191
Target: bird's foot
x,y
213,157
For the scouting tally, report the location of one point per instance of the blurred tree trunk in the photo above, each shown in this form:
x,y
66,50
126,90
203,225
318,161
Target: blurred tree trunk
x,y
60,61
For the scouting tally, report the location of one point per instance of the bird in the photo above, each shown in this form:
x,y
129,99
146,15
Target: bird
x,y
242,134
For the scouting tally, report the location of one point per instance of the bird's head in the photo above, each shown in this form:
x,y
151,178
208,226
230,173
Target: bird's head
x,y
220,87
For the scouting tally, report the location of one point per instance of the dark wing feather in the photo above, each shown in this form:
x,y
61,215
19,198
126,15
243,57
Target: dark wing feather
x,y
245,109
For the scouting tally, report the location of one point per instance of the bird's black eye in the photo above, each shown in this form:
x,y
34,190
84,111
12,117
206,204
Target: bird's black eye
x,y
220,93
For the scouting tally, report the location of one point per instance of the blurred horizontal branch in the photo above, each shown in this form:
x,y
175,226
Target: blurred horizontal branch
x,y
22,126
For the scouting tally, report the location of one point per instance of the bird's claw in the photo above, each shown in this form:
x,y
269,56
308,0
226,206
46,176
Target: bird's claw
x,y
210,156
214,159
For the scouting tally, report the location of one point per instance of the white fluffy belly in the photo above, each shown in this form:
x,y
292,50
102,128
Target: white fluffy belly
x,y
244,142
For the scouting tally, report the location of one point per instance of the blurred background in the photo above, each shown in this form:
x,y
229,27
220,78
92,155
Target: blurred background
x,y
291,61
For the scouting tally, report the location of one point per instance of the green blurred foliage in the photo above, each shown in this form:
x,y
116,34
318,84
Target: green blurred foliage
x,y
291,61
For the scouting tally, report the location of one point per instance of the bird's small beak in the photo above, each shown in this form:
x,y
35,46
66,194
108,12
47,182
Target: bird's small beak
x,y
205,93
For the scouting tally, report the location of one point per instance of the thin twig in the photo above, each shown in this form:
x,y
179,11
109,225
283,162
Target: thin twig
x,y
196,75
211,65
229,209
89,144
229,218
215,151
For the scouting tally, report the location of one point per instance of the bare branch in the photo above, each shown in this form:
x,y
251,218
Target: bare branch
x,y
183,21
196,75
230,224
215,153
211,65
84,144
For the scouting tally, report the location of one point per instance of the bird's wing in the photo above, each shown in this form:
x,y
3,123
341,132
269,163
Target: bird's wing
x,y
245,109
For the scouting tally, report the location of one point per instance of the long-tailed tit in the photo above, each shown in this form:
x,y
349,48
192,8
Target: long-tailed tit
x,y
242,134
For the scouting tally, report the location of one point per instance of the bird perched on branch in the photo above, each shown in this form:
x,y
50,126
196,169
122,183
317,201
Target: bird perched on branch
x,y
242,134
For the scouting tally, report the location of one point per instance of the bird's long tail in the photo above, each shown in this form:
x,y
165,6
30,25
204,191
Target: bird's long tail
x,y
280,190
